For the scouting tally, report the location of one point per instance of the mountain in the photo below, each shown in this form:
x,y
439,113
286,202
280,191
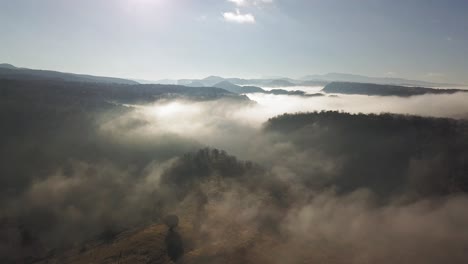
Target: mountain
x,y
8,71
254,89
7,66
196,84
239,81
280,83
343,77
105,92
314,83
184,81
212,80
163,81
208,81
386,144
255,82
229,87
238,89
383,90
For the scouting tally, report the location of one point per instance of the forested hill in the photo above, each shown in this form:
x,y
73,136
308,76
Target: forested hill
x,y
389,154
8,71
383,90
124,93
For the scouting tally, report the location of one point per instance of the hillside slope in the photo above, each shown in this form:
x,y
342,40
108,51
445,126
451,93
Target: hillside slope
x,y
8,71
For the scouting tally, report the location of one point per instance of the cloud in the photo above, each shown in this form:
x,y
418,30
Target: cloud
x,y
237,17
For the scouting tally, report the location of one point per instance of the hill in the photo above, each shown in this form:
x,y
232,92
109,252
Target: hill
x,y
212,80
7,66
253,89
113,92
144,245
383,90
8,71
280,83
315,80
383,153
226,85
334,174
344,77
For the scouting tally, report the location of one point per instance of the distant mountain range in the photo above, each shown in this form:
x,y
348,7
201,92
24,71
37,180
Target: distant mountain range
x,y
52,83
333,83
310,80
237,89
383,89
10,71
272,83
233,88
342,77
86,93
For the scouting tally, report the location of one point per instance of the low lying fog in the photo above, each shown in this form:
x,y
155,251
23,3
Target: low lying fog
x,y
209,120
448,105
83,198
346,229
237,128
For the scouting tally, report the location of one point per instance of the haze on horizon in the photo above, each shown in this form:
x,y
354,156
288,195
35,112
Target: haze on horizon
x,y
156,39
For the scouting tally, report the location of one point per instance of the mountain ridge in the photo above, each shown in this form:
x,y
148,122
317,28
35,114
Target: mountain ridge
x,y
9,71
383,89
346,77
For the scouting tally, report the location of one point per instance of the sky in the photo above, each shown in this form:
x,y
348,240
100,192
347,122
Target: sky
x,y
157,39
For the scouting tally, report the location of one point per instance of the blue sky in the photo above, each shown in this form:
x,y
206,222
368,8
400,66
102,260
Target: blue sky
x,y
155,39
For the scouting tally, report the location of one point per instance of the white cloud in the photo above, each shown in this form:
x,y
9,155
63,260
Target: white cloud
x,y
237,17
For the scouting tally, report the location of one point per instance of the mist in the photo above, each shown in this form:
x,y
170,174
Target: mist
x,y
238,128
449,105
242,184
233,131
